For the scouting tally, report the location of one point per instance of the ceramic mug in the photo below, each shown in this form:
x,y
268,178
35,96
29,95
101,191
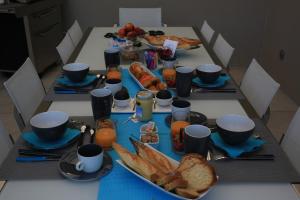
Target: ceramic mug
x,y
114,85
90,158
181,105
196,138
101,100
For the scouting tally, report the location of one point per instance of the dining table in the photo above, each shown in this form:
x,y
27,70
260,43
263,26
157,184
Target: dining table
x,y
238,180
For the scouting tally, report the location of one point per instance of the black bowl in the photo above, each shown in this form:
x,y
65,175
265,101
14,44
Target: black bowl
x,y
50,126
208,73
164,94
76,72
235,129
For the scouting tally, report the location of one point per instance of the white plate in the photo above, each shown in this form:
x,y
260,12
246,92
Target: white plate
x,y
129,109
176,163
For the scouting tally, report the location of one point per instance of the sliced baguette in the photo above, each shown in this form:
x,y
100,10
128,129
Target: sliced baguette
x,y
136,163
190,160
178,182
155,158
200,177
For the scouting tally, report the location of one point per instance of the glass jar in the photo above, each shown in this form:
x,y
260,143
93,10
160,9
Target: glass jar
x,y
144,104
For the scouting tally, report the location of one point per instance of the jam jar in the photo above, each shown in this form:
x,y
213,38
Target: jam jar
x,y
144,104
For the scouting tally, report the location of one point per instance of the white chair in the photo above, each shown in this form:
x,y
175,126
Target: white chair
x,y
223,50
5,143
75,33
144,17
291,141
258,87
207,32
26,90
65,48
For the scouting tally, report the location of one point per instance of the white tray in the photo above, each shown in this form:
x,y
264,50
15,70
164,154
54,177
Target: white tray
x,y
129,109
176,163
137,81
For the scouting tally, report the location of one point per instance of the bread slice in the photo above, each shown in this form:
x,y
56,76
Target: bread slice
x,y
141,166
155,158
187,192
190,160
178,182
200,177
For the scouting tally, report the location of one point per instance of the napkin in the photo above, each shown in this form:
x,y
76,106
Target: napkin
x,y
34,140
89,79
220,82
250,145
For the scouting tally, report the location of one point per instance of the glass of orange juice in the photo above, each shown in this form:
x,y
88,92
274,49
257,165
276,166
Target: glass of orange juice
x,y
180,120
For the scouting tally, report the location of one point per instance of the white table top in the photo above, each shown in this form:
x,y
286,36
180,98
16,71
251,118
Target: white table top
x,y
92,53
68,190
211,108
92,50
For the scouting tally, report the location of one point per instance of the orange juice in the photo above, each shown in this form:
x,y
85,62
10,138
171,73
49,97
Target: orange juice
x,y
105,137
176,137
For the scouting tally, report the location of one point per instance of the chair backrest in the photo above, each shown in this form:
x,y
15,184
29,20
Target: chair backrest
x,y
145,17
5,143
207,32
65,48
291,141
26,90
259,87
75,33
223,50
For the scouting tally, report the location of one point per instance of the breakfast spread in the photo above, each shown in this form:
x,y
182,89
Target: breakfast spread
x,y
193,176
183,42
147,80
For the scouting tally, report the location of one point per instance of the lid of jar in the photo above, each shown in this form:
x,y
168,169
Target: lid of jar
x,y
144,95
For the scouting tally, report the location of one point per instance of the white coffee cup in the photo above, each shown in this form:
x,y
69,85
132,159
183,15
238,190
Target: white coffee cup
x,y
114,85
90,158
181,106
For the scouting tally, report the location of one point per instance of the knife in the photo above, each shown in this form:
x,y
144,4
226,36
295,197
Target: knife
x,y
36,159
202,90
30,152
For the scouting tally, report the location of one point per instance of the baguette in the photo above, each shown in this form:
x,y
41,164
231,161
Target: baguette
x,y
141,166
156,159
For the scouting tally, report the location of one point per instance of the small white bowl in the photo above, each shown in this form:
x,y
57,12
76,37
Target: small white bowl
x,y
164,102
122,103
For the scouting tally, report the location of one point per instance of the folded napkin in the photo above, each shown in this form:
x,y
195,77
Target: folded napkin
x,y
250,145
34,140
220,82
89,79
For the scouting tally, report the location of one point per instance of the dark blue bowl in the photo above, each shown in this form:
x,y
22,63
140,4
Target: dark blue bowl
x,y
50,126
76,72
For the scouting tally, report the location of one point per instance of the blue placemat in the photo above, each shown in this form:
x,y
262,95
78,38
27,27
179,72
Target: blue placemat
x,y
121,184
34,140
252,144
220,82
129,83
89,79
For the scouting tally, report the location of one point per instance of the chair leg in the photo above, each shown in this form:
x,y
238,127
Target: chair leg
x,y
266,116
19,119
